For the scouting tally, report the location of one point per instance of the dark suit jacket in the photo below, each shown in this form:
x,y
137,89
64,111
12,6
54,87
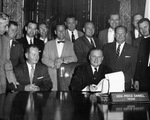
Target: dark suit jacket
x,y
16,53
142,72
41,77
103,38
82,47
37,42
83,76
67,37
125,63
136,42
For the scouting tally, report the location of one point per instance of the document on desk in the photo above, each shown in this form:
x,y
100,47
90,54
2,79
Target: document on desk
x,y
113,82
116,81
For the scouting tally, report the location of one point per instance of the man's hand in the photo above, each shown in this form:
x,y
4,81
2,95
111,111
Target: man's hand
x,y
15,84
58,62
136,85
31,87
93,88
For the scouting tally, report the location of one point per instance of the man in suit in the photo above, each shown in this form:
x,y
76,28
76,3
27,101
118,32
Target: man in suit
x,y
72,33
89,74
135,32
16,49
120,56
29,38
32,75
142,72
84,44
108,35
6,68
43,32
56,52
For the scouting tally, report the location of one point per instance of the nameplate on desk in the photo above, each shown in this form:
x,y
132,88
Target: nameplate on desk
x,y
129,97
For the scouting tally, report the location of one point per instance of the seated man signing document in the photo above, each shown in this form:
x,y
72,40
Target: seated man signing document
x,y
88,75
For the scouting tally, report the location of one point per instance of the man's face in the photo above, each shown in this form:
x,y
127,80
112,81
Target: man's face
x,y
120,35
43,30
89,29
144,28
71,23
136,19
114,21
3,26
61,32
96,58
12,31
31,29
32,56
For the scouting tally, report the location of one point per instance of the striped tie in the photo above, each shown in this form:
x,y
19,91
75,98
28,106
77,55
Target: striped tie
x,y
118,52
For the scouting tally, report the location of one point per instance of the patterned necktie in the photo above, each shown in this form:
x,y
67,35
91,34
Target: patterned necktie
x,y
31,74
73,37
118,52
95,73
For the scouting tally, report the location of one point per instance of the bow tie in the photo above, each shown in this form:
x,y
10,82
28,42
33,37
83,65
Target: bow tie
x,y
60,41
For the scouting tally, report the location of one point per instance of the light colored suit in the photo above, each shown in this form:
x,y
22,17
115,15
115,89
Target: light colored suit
x,y
67,37
103,38
50,54
6,68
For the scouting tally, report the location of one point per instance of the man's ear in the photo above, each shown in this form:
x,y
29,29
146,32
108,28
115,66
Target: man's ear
x,y
26,28
26,55
83,29
76,22
55,32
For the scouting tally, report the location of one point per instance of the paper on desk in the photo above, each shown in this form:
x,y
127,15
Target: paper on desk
x,y
116,81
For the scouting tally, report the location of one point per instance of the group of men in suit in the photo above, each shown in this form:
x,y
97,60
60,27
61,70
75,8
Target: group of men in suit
x,y
71,45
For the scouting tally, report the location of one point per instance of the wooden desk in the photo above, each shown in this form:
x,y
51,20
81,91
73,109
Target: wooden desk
x,y
66,106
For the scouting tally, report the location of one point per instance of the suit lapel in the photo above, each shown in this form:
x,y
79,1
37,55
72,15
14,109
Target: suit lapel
x,y
36,72
87,42
54,46
90,73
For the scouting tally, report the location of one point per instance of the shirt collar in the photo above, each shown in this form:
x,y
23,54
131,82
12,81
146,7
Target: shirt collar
x,y
110,30
29,65
28,38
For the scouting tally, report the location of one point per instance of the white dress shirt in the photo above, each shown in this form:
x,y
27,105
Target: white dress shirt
x,y
111,35
93,68
59,47
75,32
121,47
28,40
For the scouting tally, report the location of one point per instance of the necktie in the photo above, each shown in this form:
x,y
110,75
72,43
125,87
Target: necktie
x,y
73,37
61,41
92,43
31,41
118,52
31,74
95,73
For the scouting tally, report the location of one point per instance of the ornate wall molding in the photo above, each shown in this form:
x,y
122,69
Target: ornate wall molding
x,y
125,13
14,8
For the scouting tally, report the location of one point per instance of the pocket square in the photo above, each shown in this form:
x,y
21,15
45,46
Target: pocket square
x,y
127,56
40,77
